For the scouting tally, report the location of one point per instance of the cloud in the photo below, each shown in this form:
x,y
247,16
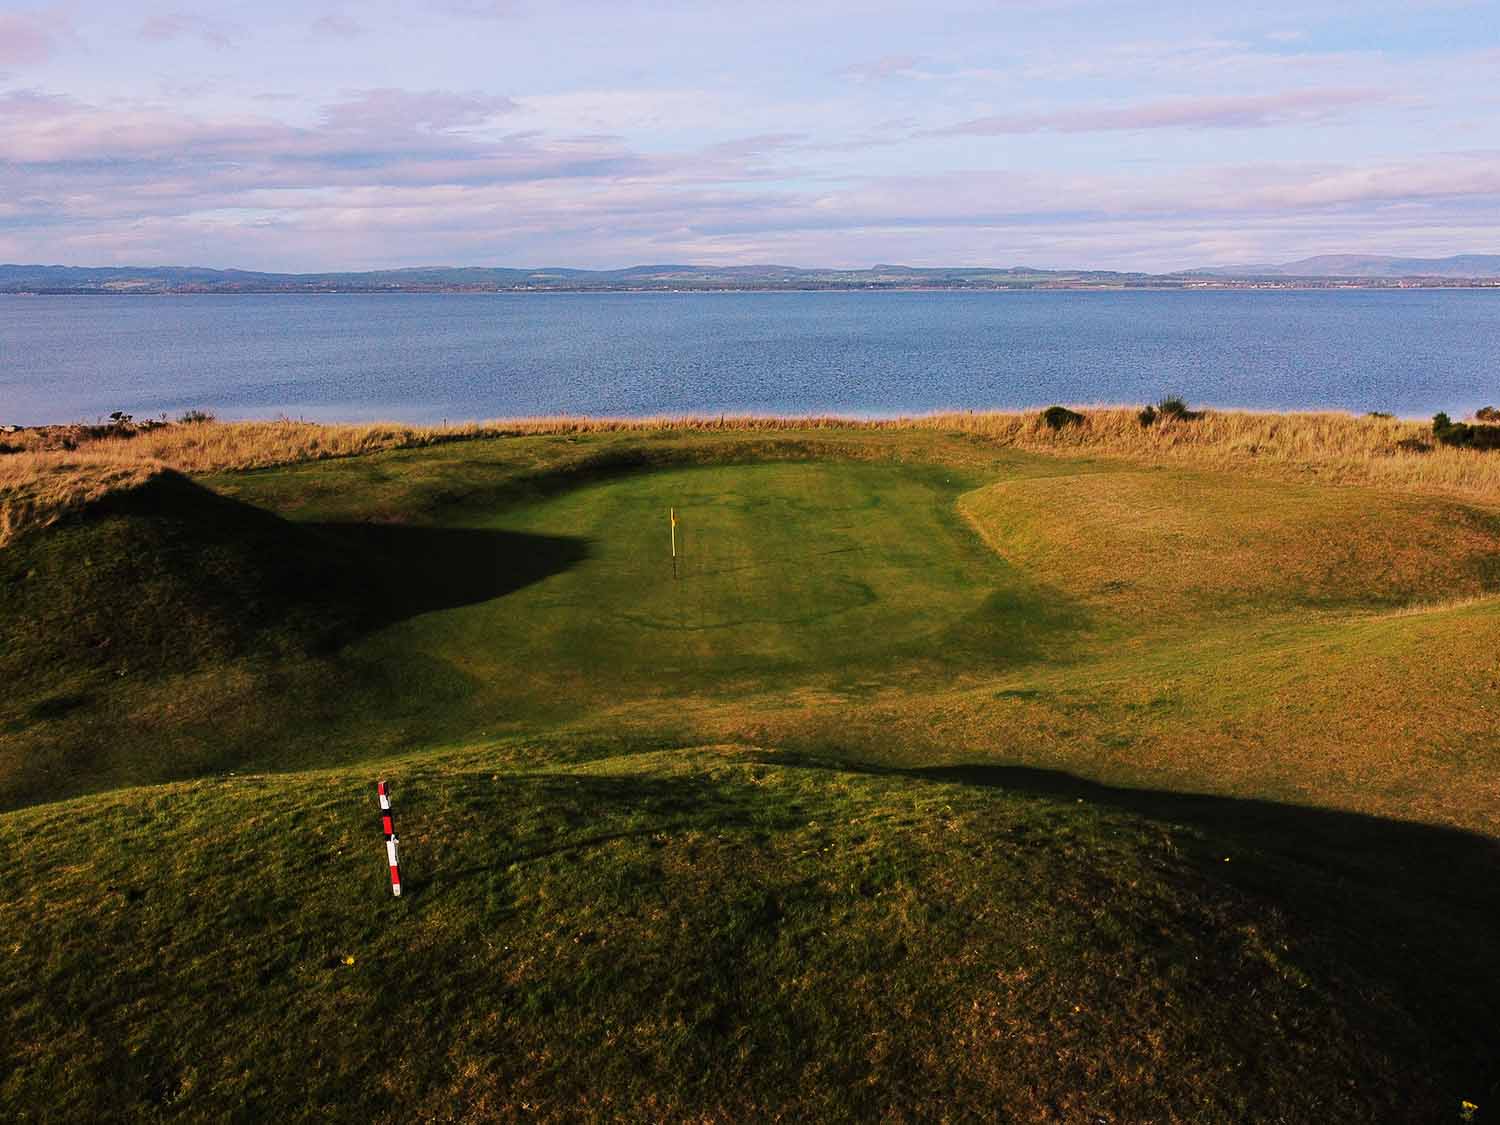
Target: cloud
x,y
430,111
40,129
145,155
639,109
1257,111
178,25
478,9
336,25
31,37
758,145
882,69
469,176
1453,177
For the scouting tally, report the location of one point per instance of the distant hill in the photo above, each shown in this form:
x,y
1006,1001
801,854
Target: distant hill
x,y
182,279
195,279
1368,265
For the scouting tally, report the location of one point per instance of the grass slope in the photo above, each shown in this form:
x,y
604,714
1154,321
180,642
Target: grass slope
x,y
712,933
939,775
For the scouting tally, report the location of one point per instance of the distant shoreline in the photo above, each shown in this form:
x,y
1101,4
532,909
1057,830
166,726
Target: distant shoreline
x,y
1302,286
1327,272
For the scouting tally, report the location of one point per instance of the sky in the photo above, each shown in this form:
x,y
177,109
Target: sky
x,y
306,135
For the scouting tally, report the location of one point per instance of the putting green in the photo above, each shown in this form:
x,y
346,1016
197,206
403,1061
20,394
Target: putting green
x,y
782,568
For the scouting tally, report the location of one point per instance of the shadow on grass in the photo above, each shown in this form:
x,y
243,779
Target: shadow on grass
x,y
411,570
247,568
1407,914
171,577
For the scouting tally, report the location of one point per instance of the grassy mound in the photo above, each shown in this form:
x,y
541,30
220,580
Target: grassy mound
x,y
166,576
1186,544
721,934
167,630
106,618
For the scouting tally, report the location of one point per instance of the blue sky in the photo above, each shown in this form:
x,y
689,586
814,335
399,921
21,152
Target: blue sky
x,y
322,135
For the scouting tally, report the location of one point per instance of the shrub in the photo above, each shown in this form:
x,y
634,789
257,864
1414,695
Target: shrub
x,y
1057,417
1488,414
1384,415
1170,409
189,417
1176,409
1464,436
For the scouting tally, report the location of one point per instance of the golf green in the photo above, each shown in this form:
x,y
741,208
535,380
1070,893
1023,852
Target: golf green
x,y
783,569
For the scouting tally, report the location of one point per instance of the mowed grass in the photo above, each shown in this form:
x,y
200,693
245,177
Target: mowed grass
x,y
786,575
938,781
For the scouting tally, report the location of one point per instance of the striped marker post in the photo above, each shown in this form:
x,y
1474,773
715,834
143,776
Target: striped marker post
x,y
388,826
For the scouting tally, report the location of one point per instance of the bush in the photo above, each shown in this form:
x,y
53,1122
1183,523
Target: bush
x,y
189,417
1175,409
1057,417
1381,414
1464,436
1488,414
1170,409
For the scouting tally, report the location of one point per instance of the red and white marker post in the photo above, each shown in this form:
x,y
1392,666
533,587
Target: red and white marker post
x,y
388,826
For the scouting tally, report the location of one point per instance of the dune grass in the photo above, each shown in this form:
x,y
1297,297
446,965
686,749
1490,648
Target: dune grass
x,y
945,775
47,472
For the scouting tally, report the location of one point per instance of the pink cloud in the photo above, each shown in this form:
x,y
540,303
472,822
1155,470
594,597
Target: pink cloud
x,y
878,70
430,170
1232,112
395,110
336,25
478,9
178,25
31,37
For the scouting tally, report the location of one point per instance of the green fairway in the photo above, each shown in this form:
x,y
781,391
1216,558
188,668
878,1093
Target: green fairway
x,y
931,775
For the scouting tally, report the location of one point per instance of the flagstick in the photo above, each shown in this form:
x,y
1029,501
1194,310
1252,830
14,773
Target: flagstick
x,y
673,513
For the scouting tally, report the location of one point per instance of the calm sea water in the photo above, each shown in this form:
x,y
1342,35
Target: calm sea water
x,y
424,358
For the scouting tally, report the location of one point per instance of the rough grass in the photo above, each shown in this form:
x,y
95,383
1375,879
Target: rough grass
x,y
1343,448
1181,544
946,776
37,490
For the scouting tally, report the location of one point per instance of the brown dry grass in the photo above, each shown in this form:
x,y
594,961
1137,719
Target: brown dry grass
x,y
1345,448
1167,544
38,482
40,488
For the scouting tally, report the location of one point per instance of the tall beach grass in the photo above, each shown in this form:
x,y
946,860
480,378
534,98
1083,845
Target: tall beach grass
x,y
49,472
